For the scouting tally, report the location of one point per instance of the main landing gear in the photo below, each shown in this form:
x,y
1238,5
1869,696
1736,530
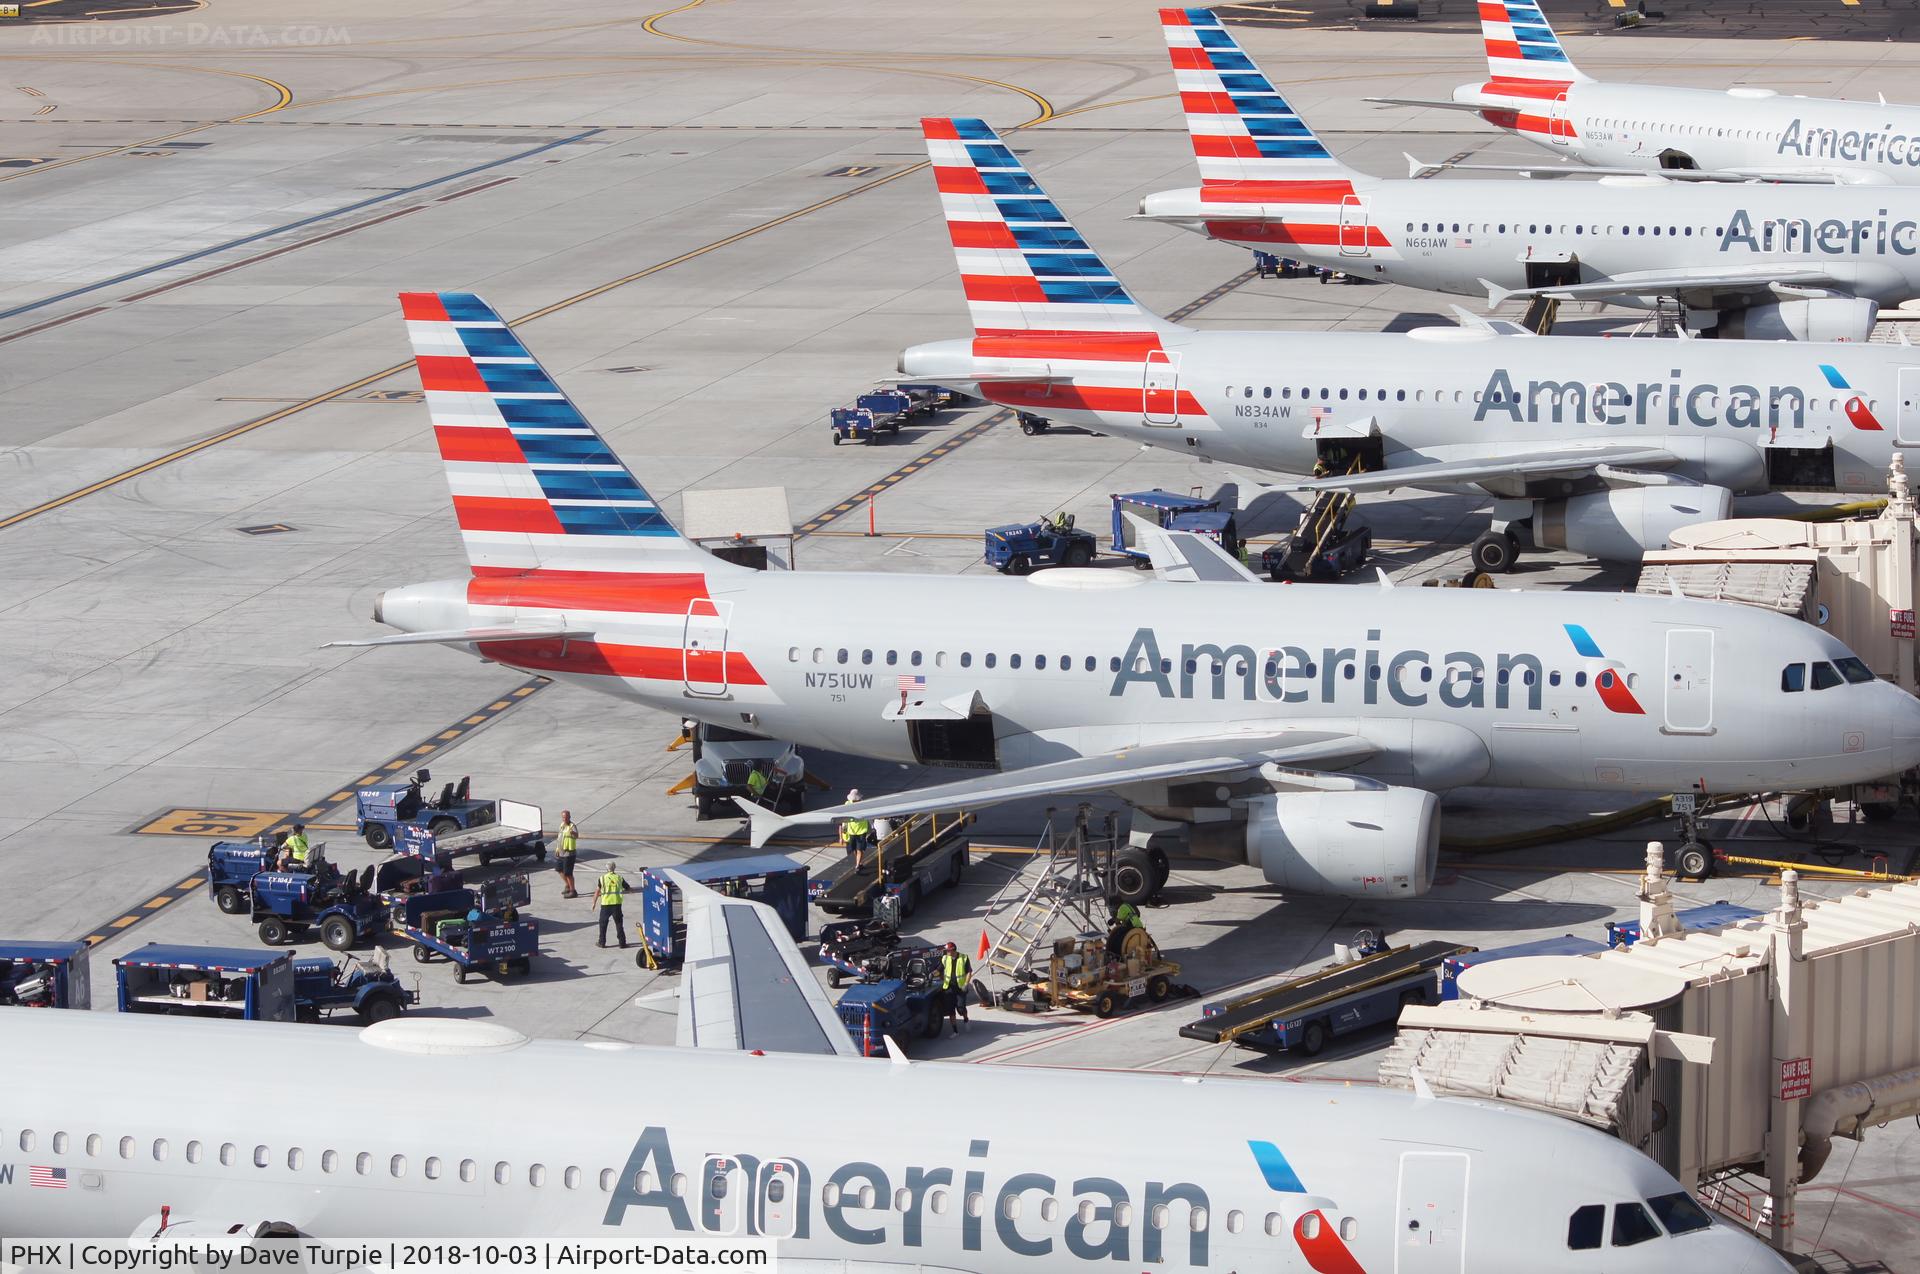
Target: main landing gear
x,y
1495,552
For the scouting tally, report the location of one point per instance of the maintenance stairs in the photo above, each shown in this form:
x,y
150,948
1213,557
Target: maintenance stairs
x,y
1067,877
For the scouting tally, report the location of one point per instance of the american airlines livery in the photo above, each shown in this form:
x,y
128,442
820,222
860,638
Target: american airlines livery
x,y
1756,259
1533,90
745,1131
1322,717
1602,447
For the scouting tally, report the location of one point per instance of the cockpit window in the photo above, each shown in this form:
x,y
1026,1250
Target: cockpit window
x,y
1586,1226
1679,1213
1854,669
1632,1225
1826,677
1793,678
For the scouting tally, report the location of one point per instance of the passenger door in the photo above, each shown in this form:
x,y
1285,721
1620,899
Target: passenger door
x,y
703,648
1907,426
1432,1235
1689,708
778,1200
724,1184
1354,231
1160,390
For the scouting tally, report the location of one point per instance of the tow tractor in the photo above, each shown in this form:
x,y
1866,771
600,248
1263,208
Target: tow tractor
x,y
367,987
231,867
773,879
499,943
1366,985
256,986
512,831
899,996
1174,513
853,948
345,907
922,854
45,975
1081,976
381,809
1020,547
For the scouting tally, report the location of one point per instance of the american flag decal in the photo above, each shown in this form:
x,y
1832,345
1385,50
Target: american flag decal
x,y
914,682
41,1178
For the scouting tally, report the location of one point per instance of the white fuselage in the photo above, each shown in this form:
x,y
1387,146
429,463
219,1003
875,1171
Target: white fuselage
x,y
1459,235
1740,130
1451,688
1268,399
990,1170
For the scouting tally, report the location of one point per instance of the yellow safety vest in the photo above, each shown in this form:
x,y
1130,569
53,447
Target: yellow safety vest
x,y
297,848
569,838
858,827
953,971
612,889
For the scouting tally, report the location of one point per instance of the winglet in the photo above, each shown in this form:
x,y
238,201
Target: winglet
x,y
1496,295
1421,1089
1416,167
1386,581
763,824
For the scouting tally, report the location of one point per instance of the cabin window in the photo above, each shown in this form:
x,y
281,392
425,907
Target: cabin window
x,y
1157,1216
966,659
363,1163
1309,1226
431,1168
914,659
842,656
228,1153
194,1150
502,1172
1013,661
793,654
1196,1219
329,1159
296,1159
1092,664
866,656
606,1180
976,1203
469,1170
261,1156
1349,1228
26,1139
93,1144
1040,662
1236,1221
991,659
937,1202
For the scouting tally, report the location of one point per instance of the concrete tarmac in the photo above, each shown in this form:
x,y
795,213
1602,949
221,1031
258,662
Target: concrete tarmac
x,y
715,225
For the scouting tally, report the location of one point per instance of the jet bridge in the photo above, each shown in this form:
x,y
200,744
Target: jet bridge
x,y
1741,1051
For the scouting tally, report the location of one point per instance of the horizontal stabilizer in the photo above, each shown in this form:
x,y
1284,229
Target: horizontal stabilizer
x,y
1148,763
458,636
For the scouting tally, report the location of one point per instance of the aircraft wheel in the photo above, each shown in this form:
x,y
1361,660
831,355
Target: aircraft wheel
x,y
378,837
1695,861
1879,811
1132,875
1107,1003
1313,1038
1162,868
228,899
1495,552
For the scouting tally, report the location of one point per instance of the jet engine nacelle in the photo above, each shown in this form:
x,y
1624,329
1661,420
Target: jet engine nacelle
x,y
1620,525
1824,318
1374,842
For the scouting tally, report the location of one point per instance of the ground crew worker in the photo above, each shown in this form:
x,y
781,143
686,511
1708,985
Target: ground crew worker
x,y
956,971
612,892
1126,918
856,833
295,847
757,785
563,860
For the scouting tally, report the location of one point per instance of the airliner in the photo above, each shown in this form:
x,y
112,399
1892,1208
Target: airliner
x,y
1763,260
1602,447
743,1132
1534,91
1321,718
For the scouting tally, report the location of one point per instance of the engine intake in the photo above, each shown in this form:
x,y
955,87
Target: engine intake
x,y
1375,842
1622,524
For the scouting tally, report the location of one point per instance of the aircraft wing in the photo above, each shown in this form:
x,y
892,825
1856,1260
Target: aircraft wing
x,y
503,632
1545,171
1184,557
1148,763
744,983
1526,465
1703,287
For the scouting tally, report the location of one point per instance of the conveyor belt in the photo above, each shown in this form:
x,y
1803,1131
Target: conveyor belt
x,y
1290,999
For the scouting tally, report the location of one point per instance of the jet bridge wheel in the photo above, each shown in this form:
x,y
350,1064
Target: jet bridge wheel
x,y
1495,552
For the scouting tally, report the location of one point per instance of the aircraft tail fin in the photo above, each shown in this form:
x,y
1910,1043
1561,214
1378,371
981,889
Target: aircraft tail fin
x,y
1521,44
535,488
1243,130
1023,265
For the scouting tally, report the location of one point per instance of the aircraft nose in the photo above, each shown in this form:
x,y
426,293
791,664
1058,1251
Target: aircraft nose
x,y
1903,725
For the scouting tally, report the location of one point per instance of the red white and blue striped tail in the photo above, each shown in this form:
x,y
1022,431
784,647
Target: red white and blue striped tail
x,y
1023,265
535,488
1243,129
1521,44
